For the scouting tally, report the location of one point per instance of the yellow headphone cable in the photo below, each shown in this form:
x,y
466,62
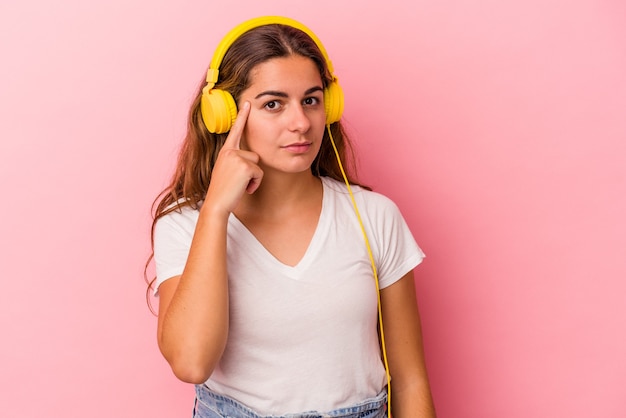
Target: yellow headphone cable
x,y
374,270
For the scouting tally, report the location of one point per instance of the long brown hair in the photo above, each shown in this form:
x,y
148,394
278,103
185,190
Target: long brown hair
x,y
200,148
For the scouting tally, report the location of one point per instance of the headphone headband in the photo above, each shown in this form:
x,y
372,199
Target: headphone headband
x,y
218,107
244,27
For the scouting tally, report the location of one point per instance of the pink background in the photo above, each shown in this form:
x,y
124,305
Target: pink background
x,y
499,128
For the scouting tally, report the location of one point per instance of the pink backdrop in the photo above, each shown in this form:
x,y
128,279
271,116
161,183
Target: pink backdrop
x,y
498,127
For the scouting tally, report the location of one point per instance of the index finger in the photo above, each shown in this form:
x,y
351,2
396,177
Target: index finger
x,y
234,136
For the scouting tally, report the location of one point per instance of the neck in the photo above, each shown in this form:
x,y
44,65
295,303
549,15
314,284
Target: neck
x,y
280,193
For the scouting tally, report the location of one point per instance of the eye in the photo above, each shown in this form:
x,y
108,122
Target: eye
x,y
311,101
272,105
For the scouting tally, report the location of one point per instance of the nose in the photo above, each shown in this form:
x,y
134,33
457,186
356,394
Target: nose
x,y
298,119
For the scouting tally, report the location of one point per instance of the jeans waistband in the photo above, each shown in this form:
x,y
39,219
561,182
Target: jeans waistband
x,y
209,404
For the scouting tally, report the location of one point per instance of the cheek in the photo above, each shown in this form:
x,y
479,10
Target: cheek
x,y
321,125
320,120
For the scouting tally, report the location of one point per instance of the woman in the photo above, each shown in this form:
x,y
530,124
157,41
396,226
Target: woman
x,y
267,300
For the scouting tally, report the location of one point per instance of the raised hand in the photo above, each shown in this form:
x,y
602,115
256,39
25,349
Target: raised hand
x,y
235,171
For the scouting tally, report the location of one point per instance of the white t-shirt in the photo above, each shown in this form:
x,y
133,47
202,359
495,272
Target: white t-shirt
x,y
305,337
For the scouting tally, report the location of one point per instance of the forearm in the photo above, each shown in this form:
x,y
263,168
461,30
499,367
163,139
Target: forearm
x,y
412,401
194,325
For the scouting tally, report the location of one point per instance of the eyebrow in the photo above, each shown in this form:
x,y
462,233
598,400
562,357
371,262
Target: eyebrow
x,y
283,94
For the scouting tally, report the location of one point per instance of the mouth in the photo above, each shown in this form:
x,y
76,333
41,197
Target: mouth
x,y
297,147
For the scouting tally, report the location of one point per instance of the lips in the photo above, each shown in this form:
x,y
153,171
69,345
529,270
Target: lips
x,y
298,147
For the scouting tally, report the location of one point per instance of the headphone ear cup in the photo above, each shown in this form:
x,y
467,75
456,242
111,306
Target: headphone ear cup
x,y
218,110
333,102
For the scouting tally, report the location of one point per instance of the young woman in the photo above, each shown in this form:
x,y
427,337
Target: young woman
x,y
267,298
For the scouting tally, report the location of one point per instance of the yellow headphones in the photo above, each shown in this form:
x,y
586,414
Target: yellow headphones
x,y
218,107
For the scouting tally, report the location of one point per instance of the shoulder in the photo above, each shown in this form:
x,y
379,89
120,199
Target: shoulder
x,y
179,217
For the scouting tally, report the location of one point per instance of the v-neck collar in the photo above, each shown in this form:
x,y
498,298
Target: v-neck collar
x,y
315,245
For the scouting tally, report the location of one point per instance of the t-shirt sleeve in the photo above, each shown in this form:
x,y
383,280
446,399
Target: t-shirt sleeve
x,y
172,239
396,252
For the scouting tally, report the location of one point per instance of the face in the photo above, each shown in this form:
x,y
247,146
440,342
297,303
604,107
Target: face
x,y
287,118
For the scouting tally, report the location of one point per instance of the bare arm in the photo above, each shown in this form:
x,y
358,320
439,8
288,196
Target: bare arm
x,y
193,308
410,389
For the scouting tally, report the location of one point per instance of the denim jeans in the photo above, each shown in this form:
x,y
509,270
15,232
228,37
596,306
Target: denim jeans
x,y
209,404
